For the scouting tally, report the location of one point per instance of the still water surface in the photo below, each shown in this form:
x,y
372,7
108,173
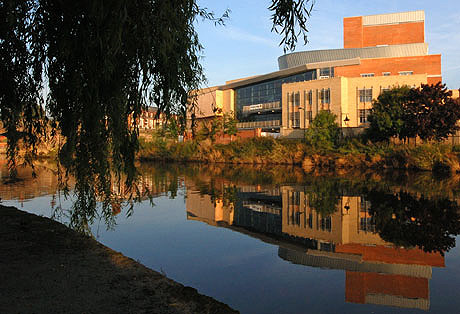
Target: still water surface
x,y
275,240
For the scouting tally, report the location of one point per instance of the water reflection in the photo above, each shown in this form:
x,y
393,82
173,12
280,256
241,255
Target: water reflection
x,y
385,231
377,272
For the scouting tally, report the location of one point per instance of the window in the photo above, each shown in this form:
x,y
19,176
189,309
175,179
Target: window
x,y
363,114
386,73
367,75
326,224
310,221
406,73
297,99
365,95
325,72
364,204
309,97
325,96
294,117
367,224
384,89
310,116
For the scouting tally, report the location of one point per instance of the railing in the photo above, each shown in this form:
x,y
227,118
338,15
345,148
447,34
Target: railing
x,y
261,107
259,124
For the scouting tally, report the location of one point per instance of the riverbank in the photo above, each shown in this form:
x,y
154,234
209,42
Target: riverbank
x,y
351,154
46,267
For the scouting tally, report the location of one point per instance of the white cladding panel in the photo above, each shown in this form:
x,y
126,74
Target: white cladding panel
x,y
394,18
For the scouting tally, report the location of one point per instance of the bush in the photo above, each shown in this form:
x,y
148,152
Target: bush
x,y
324,132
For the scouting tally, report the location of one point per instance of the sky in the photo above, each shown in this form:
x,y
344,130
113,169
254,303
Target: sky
x,y
246,46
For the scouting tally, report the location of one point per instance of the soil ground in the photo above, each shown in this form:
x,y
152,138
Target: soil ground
x,y
46,267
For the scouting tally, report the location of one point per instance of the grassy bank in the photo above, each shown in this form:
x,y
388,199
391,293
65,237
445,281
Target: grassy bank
x,y
350,154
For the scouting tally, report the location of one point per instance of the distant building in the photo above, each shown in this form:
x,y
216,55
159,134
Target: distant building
x,y
149,120
380,52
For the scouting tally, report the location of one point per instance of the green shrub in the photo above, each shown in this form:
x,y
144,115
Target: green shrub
x,y
324,132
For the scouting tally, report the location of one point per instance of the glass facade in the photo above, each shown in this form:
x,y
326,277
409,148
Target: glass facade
x,y
262,101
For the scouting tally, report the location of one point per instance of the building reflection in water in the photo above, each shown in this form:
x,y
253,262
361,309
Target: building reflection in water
x,y
344,238
45,182
312,225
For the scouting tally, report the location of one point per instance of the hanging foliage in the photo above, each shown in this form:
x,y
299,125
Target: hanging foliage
x,y
90,68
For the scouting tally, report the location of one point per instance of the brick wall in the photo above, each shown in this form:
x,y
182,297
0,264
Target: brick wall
x,y
430,65
358,285
225,139
355,35
393,34
353,32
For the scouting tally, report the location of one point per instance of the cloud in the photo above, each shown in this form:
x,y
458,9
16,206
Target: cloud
x,y
240,35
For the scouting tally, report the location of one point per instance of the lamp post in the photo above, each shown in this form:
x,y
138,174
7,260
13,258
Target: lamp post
x,y
346,120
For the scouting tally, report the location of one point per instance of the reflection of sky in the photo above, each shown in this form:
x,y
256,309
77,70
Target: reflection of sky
x,y
239,270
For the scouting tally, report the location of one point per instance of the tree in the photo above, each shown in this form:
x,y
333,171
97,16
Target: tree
x,y
406,220
387,118
91,64
431,112
428,112
323,132
229,124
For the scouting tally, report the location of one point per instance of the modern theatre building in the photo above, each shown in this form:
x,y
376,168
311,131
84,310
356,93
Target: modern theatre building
x,y
380,52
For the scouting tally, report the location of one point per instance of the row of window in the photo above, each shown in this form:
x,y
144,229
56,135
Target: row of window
x,y
324,97
387,73
268,91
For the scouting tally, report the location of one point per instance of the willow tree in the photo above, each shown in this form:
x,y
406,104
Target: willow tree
x,y
87,69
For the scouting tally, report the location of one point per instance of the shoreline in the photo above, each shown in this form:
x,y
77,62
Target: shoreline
x,y
48,268
438,158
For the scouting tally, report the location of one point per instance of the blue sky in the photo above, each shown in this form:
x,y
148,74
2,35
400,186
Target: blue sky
x,y
245,46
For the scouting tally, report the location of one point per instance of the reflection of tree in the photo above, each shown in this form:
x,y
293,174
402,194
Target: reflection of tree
x,y
405,220
401,216
323,196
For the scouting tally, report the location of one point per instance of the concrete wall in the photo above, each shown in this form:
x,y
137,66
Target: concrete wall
x,y
376,84
303,88
344,99
345,221
208,100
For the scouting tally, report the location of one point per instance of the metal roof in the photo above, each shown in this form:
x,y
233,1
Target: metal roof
x,y
289,71
305,57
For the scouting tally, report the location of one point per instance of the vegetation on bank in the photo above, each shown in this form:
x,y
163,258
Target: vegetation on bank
x,y
428,113
348,154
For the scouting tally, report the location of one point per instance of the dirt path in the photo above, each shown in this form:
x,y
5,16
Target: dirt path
x,y
47,268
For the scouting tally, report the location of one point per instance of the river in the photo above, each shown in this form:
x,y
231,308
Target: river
x,y
276,240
